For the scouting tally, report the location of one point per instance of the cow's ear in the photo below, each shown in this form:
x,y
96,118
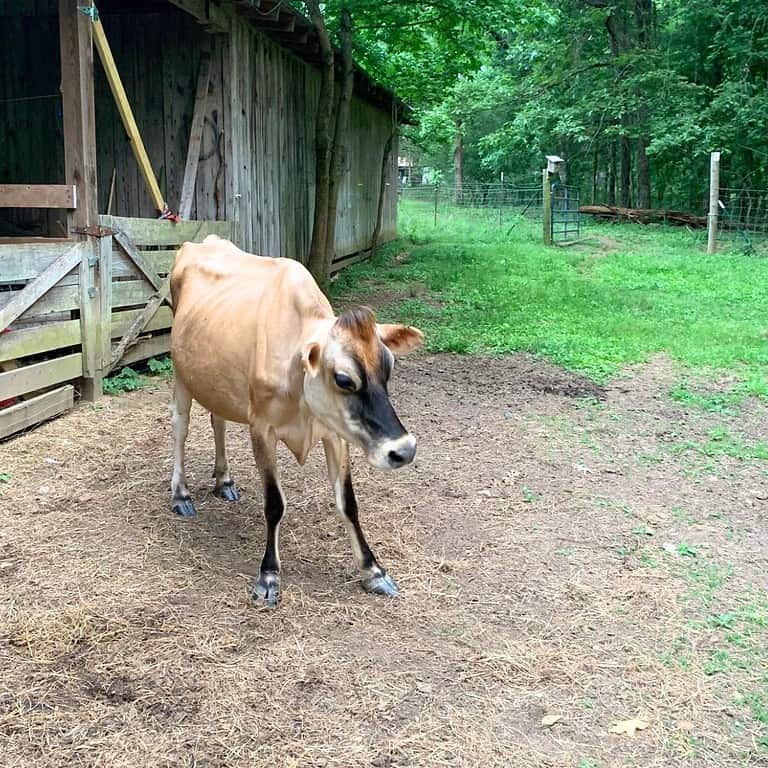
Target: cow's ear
x,y
400,339
310,358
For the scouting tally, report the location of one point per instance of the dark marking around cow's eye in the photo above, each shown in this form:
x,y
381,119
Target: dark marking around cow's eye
x,y
344,382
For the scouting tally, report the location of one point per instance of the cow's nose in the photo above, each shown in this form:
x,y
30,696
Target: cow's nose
x,y
403,453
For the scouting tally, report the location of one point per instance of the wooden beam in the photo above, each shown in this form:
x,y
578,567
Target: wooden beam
x,y
78,112
157,344
126,114
39,338
195,137
31,412
30,378
157,232
206,13
79,120
138,259
137,326
41,285
38,196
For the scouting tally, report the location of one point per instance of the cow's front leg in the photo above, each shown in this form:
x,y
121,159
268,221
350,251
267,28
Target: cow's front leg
x,y
375,578
266,590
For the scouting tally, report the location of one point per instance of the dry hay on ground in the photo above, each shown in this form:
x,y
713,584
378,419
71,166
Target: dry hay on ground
x,y
127,639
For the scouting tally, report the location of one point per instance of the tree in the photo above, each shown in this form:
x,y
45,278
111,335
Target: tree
x,y
419,48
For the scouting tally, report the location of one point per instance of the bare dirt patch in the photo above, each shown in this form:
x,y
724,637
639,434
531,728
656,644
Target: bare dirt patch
x,y
557,550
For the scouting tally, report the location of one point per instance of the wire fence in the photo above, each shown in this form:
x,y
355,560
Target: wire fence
x,y
528,198
501,205
744,209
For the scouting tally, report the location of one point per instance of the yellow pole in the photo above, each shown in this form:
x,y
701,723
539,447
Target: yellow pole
x,y
126,114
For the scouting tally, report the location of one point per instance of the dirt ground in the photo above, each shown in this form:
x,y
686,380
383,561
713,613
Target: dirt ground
x,y
558,554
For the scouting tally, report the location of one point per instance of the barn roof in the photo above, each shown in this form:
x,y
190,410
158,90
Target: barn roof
x,y
287,26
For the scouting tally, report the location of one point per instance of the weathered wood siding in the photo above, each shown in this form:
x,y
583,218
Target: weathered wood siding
x,y
273,155
257,158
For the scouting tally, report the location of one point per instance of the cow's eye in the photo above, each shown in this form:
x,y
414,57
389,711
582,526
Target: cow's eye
x,y
344,382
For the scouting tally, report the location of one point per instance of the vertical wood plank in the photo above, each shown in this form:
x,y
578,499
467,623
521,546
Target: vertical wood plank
x,y
105,300
80,169
195,136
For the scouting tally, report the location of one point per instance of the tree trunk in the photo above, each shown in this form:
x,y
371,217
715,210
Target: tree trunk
x,y
316,260
458,164
382,189
645,22
643,174
340,137
626,172
612,175
594,173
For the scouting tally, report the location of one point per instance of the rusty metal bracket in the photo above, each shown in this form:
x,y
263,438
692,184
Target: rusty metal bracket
x,y
94,231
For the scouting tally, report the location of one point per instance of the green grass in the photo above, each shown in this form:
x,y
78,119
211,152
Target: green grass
x,y
721,442
499,289
726,403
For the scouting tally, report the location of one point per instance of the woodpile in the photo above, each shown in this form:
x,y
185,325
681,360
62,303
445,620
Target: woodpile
x,y
644,215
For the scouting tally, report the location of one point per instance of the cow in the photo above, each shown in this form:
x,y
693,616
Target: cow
x,y
255,341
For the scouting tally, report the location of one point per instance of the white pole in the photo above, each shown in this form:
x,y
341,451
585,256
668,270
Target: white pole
x,y
714,200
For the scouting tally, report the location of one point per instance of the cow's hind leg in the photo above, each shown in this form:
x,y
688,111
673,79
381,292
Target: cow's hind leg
x,y
266,590
181,501
225,487
375,578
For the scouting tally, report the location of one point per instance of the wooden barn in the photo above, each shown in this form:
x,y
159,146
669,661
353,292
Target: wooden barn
x,y
221,97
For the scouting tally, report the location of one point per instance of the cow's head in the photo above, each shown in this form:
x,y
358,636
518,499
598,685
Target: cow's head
x,y
345,384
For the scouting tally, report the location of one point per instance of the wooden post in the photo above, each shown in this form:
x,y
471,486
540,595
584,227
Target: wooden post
x,y
105,299
437,192
714,201
79,123
195,137
546,214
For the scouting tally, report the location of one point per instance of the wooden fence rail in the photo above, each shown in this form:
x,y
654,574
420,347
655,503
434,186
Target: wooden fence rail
x,y
71,311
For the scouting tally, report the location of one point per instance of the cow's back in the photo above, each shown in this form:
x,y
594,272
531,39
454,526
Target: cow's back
x,y
237,322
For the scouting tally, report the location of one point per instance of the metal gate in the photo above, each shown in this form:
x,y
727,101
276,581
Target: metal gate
x,y
566,219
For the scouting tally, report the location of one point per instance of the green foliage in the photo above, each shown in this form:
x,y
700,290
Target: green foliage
x,y
161,366
488,289
125,381
130,380
682,78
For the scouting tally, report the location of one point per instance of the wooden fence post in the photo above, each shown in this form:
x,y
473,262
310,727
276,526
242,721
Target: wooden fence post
x,y
105,302
546,213
79,124
714,201
437,192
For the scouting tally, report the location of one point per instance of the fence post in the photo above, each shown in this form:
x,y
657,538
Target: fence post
x,y
437,189
714,201
546,213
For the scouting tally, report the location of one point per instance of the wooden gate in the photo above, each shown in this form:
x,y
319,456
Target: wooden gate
x,y
141,252
74,310
39,296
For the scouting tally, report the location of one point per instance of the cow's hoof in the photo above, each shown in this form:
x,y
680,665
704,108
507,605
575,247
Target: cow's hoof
x,y
227,491
183,506
266,591
381,585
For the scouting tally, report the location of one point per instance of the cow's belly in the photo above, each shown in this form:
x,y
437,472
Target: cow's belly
x,y
215,373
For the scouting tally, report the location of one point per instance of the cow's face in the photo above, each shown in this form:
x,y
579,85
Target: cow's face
x,y
345,385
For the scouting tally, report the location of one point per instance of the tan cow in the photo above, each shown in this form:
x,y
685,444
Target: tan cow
x,y
255,341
